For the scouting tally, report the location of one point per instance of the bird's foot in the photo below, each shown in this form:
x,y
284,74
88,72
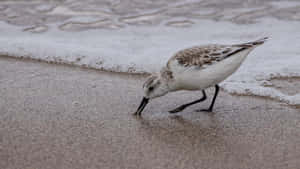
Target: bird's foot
x,y
178,109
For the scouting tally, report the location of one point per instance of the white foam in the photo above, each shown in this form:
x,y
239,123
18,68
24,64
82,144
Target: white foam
x,y
146,49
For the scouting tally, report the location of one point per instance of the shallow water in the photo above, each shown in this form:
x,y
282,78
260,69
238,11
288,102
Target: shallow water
x,y
76,15
140,36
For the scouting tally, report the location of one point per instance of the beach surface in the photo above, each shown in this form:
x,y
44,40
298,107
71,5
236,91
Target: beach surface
x,y
58,116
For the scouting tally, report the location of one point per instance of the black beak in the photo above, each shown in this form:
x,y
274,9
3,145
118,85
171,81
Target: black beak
x,y
142,106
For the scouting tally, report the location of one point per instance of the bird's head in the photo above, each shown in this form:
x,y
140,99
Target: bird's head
x,y
155,86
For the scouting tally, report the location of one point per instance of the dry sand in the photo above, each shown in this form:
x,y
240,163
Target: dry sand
x,y
56,116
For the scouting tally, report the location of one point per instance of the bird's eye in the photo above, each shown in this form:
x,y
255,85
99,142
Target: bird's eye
x,y
151,88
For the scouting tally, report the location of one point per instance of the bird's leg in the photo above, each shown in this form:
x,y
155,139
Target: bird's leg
x,y
213,101
180,108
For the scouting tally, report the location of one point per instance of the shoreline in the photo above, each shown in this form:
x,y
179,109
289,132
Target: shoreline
x,y
144,75
30,59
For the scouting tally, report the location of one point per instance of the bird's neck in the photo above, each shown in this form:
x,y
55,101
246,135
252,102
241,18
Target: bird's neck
x,y
166,76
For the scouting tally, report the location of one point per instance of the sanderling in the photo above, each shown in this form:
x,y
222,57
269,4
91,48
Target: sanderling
x,y
197,68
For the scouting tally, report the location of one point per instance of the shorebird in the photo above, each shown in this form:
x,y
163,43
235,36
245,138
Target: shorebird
x,y
196,68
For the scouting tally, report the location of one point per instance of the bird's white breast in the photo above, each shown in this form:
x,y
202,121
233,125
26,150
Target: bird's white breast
x,y
195,78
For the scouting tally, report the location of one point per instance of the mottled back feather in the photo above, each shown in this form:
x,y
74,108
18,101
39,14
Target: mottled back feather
x,y
203,56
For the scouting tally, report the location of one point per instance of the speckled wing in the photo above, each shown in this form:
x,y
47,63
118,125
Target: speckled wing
x,y
203,56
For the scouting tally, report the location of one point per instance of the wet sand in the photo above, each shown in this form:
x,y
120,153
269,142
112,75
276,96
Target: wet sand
x,y
56,116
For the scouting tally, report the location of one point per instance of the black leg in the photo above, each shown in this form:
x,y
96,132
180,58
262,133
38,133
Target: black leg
x,y
213,101
180,108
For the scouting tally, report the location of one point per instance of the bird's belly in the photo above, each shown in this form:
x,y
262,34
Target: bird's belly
x,y
198,79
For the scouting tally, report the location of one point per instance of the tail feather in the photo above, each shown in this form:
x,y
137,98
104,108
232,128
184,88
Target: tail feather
x,y
254,43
